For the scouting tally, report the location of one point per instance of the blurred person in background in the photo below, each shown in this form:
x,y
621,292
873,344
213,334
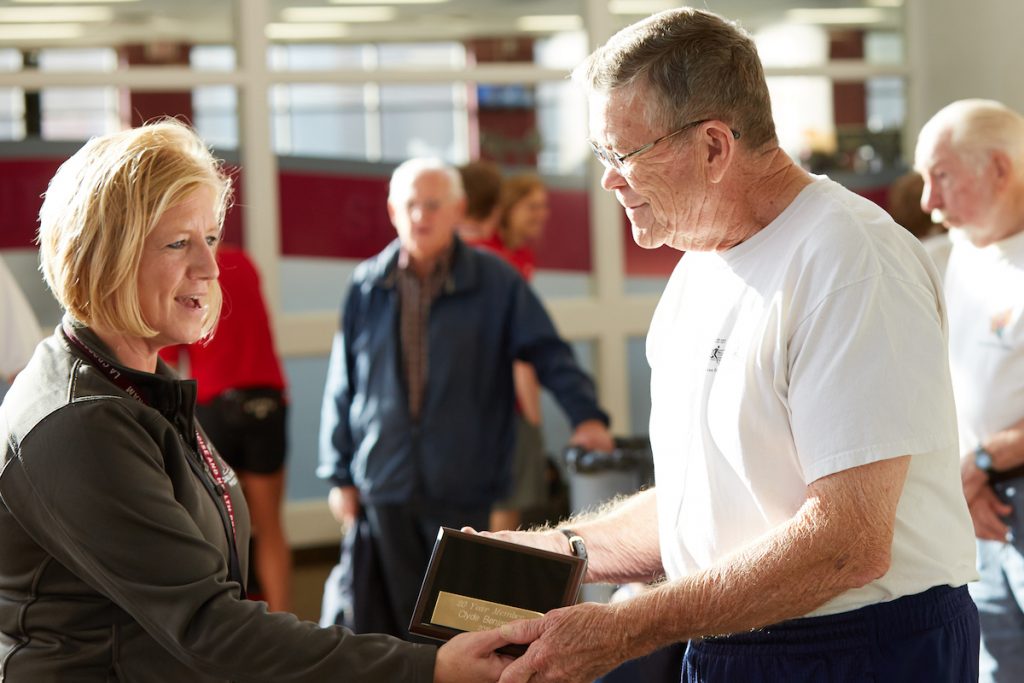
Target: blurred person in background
x,y
19,329
523,213
904,206
521,216
418,422
481,181
971,154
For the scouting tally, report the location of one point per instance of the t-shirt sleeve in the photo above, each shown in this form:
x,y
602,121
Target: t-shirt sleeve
x,y
868,377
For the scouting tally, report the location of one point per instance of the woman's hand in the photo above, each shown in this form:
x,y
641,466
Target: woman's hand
x,y
471,658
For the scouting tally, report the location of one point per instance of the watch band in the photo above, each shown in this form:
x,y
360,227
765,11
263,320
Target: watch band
x,y
576,544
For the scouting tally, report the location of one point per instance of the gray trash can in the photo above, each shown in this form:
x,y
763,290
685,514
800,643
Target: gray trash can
x,y
595,477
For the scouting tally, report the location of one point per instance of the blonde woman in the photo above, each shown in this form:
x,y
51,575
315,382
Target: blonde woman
x,y
123,534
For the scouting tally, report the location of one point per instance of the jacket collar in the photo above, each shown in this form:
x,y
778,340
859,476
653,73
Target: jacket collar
x,y
163,390
463,275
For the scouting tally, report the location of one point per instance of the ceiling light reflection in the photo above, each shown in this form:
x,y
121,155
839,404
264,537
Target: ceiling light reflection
x,y
342,14
839,15
286,32
550,22
25,32
57,14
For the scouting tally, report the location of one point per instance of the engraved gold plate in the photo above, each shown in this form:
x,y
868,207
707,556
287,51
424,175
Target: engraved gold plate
x,y
473,614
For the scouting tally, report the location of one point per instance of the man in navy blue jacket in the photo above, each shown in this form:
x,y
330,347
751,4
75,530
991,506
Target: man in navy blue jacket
x,y
418,421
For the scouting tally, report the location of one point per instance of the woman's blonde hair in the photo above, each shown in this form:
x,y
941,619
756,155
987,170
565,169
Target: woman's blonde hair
x,y
102,204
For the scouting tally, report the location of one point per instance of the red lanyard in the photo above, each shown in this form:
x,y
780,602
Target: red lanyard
x,y
218,478
128,387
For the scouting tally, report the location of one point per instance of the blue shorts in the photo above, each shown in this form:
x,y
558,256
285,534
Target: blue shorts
x,y
932,636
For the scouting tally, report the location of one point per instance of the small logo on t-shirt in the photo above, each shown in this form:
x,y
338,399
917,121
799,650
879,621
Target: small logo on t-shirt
x,y
997,325
715,357
999,322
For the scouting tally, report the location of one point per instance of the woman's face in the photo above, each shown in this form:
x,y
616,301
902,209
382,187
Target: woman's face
x,y
178,269
528,217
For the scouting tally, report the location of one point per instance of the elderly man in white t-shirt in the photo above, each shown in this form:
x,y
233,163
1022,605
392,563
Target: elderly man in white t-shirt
x,y
971,154
808,514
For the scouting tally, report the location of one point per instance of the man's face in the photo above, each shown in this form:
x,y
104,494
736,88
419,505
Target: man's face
x,y
425,216
956,192
661,188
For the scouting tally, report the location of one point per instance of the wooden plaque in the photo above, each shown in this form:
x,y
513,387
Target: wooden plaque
x,y
475,583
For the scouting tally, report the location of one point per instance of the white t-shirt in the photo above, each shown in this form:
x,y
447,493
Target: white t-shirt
x,y
19,330
817,345
985,295
938,248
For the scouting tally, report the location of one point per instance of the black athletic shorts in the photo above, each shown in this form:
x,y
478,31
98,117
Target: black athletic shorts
x,y
247,426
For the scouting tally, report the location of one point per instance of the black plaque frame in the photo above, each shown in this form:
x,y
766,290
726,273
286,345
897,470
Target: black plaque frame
x,y
496,571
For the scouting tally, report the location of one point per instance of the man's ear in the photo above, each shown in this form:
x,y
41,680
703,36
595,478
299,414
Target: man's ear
x,y
1002,168
391,213
721,147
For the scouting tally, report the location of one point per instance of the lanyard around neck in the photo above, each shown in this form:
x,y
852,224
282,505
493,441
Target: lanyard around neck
x,y
220,486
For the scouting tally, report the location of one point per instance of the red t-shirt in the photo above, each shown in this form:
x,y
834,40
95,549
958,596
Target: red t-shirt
x,y
522,259
241,353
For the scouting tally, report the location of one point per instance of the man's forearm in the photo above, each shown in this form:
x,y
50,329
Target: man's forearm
x,y
1007,447
622,540
826,549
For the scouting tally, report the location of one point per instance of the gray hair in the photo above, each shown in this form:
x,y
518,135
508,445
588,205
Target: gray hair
x,y
408,171
690,65
977,128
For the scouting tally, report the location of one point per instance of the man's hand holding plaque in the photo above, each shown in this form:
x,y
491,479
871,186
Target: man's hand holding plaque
x,y
588,630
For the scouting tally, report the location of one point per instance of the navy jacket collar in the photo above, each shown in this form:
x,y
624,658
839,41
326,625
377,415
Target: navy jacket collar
x,y
464,274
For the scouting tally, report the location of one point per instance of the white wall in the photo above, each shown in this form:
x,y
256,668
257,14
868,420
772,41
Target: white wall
x,y
961,49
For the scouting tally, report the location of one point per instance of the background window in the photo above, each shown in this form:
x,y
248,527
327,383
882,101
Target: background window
x,y
78,113
320,120
215,107
422,120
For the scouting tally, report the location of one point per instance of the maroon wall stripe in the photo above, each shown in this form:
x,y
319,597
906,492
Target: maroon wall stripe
x,y
337,215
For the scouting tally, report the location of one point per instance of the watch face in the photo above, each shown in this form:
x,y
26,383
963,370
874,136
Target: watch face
x,y
983,459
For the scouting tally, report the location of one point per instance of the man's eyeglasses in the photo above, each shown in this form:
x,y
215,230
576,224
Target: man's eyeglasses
x,y
612,160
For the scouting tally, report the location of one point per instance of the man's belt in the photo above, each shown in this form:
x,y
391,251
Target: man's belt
x,y
995,477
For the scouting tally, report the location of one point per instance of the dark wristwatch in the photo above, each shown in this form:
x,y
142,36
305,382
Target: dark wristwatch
x,y
983,460
576,544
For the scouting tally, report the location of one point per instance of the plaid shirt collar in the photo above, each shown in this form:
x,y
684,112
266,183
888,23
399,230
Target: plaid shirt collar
x,y
442,269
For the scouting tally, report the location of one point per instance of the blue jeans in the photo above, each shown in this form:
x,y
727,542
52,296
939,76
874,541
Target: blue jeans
x,y
931,636
1000,594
